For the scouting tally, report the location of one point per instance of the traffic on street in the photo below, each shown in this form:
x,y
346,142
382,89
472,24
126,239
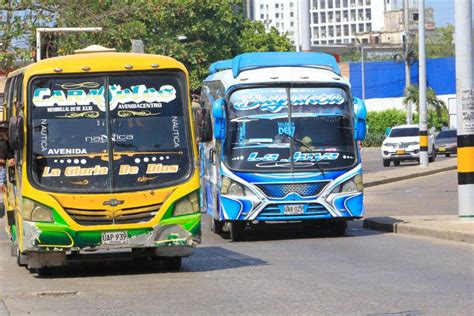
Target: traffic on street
x,y
236,157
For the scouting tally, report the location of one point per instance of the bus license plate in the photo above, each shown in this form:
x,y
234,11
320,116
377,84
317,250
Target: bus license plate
x,y
442,149
294,209
114,238
401,152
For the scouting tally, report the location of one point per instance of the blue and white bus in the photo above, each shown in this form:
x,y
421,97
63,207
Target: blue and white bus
x,y
284,148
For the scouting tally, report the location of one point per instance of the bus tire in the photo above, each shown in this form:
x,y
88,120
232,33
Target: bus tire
x,y
216,226
386,163
338,228
396,163
172,263
237,230
21,259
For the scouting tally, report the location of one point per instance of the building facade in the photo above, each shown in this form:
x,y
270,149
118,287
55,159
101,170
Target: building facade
x,y
327,22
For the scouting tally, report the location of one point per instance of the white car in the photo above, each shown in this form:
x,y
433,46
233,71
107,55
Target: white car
x,y
403,144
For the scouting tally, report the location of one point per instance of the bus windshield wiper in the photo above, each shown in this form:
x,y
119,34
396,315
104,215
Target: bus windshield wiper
x,y
299,141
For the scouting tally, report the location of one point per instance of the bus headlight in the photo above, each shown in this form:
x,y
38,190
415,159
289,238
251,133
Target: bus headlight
x,y
35,212
353,185
236,189
187,205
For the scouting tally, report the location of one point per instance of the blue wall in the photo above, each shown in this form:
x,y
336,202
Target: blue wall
x,y
386,79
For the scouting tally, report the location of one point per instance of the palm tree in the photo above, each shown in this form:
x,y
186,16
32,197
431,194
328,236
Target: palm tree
x,y
413,95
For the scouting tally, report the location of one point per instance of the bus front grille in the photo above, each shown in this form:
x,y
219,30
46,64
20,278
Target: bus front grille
x,y
280,190
118,216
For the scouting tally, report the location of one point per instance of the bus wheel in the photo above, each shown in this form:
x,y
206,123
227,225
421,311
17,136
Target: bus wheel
x,y
216,226
172,263
338,228
236,229
21,260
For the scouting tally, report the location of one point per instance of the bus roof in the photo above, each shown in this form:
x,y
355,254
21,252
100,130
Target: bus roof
x,y
101,62
274,67
259,60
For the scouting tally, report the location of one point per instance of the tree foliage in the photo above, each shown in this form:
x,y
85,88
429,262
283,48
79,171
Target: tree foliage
x,y
18,22
215,29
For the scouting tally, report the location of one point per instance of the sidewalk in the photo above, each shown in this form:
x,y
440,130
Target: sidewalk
x,y
448,227
398,174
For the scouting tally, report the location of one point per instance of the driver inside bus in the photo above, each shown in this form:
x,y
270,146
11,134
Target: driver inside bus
x,y
307,145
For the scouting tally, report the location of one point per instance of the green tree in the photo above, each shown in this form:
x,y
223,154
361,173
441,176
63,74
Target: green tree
x,y
215,29
437,110
439,43
18,21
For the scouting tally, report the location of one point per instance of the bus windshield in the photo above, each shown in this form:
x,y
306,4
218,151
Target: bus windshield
x,y
267,135
123,133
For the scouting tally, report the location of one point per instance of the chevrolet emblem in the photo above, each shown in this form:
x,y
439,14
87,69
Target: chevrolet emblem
x,y
113,202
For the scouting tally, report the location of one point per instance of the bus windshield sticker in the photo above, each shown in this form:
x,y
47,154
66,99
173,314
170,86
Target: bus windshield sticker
x,y
68,100
275,104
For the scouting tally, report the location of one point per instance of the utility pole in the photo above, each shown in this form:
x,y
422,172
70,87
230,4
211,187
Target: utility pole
x,y
407,63
57,30
465,107
362,70
305,26
297,28
422,86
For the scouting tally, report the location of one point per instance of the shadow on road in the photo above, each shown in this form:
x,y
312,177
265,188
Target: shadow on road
x,y
204,259
271,232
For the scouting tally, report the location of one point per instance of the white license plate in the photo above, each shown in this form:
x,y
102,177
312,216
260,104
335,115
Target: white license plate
x,y
114,238
296,209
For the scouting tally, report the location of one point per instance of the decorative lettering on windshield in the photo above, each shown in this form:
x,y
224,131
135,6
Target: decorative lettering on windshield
x,y
139,95
275,104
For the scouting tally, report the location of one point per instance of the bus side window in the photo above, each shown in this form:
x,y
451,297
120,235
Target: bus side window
x,y
19,96
11,98
5,99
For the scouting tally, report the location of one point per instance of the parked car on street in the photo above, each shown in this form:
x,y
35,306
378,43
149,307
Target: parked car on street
x,y
403,144
446,142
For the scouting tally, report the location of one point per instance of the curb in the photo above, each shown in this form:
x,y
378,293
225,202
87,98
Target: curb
x,y
372,183
393,225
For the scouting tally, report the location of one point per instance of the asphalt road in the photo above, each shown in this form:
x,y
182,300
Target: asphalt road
x,y
372,161
277,270
435,194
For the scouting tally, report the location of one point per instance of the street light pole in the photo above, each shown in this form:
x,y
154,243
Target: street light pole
x,y
422,86
465,107
58,30
407,64
362,71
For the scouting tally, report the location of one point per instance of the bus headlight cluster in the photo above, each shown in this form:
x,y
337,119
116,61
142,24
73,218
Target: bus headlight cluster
x,y
230,187
36,212
187,205
353,185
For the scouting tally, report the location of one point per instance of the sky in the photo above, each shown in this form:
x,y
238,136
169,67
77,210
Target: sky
x,y
443,11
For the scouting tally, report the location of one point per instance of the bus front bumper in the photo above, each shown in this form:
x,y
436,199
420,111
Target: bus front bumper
x,y
171,238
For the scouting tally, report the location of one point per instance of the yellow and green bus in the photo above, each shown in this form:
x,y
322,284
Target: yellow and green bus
x,y
104,158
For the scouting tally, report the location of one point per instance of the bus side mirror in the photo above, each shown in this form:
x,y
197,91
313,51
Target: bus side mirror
x,y
387,131
218,112
15,132
360,117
